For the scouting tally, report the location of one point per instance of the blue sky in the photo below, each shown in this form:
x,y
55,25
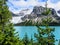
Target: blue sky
x,y
16,5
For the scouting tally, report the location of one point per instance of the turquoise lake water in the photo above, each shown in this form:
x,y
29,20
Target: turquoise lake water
x,y
30,30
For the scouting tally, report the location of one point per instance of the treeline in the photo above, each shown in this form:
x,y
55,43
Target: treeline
x,y
31,23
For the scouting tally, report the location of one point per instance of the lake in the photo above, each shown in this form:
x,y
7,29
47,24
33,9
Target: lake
x,y
30,30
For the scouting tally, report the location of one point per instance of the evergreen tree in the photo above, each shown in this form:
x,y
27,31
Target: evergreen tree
x,y
45,35
59,42
31,41
25,39
7,35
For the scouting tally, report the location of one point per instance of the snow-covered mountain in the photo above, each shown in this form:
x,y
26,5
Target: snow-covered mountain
x,y
16,18
34,14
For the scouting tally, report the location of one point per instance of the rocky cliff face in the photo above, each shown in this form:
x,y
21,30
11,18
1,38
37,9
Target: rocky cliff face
x,y
58,11
37,15
17,18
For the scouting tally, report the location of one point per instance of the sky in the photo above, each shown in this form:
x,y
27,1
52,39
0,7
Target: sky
x,y
16,5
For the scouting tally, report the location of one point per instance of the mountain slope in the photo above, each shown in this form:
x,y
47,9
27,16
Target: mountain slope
x,y
36,15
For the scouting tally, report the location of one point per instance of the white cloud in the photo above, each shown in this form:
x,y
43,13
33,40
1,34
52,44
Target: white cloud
x,y
58,5
31,3
54,5
22,4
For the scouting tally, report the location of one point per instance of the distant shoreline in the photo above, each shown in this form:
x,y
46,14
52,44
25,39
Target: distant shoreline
x,y
36,25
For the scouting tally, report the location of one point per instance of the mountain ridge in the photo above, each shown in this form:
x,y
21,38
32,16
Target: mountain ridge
x,y
36,14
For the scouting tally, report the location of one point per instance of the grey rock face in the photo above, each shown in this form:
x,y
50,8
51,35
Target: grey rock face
x,y
36,14
58,11
38,10
29,16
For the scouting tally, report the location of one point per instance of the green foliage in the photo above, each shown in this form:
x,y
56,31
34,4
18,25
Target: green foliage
x,y
28,23
31,41
31,23
7,34
59,42
45,36
25,40
46,21
46,12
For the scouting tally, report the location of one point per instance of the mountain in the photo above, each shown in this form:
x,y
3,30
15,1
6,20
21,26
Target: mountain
x,y
16,18
58,11
36,14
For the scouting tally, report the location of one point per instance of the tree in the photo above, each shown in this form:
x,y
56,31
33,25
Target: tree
x,y
25,39
7,34
59,42
45,34
31,41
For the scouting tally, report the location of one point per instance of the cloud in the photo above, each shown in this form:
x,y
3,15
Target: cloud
x,y
54,1
21,4
17,5
54,5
